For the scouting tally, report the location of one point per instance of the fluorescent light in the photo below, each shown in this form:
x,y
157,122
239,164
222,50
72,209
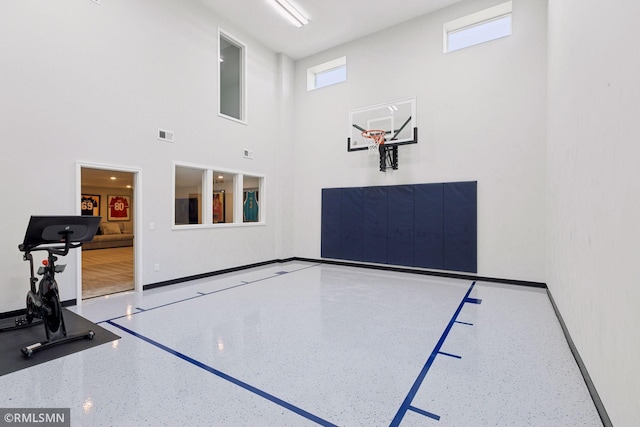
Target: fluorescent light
x,y
296,18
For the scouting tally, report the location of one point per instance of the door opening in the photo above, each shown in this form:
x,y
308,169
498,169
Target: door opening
x,y
108,261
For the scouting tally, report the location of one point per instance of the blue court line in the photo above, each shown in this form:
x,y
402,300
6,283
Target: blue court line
x,y
425,413
423,373
202,294
464,323
450,355
226,377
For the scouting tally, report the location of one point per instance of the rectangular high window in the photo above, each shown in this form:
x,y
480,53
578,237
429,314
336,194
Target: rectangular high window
x,y
486,25
327,74
231,78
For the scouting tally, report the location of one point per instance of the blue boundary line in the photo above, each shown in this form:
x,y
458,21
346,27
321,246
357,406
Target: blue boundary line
x,y
464,323
423,412
229,378
450,355
203,294
406,404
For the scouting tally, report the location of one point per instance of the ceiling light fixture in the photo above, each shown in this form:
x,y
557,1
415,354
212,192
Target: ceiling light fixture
x,y
290,12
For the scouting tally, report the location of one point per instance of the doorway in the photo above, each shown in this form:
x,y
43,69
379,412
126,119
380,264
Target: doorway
x,y
108,261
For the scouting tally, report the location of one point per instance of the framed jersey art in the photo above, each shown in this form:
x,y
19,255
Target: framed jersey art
x,y
250,206
118,208
90,204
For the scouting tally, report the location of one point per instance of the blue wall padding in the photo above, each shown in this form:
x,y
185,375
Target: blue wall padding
x,y
421,225
331,220
401,227
429,225
375,225
460,226
352,225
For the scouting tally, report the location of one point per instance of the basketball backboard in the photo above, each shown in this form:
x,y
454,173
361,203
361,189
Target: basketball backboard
x,y
397,119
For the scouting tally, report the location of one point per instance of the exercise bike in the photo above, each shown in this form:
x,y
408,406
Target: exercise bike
x,y
56,235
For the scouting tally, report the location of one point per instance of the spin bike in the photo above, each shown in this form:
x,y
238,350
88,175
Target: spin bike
x,y
56,235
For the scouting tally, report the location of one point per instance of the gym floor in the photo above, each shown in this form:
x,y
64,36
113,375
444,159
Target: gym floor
x,y
300,344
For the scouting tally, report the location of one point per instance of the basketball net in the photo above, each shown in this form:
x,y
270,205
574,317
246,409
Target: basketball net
x,y
377,136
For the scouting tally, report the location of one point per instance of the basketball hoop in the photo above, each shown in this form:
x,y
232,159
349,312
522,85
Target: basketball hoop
x,y
378,139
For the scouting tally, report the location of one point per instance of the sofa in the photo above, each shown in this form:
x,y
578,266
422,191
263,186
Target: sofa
x,y
110,235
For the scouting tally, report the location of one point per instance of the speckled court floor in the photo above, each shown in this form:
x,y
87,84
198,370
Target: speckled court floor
x,y
299,344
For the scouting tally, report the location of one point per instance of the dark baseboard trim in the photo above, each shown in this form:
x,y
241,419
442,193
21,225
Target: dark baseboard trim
x,y
69,303
72,302
349,264
426,272
14,313
22,311
212,273
604,417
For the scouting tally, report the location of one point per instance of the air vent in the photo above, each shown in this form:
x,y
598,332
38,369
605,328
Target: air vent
x,y
247,154
165,135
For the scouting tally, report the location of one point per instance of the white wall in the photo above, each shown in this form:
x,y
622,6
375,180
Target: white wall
x,y
481,116
93,83
594,191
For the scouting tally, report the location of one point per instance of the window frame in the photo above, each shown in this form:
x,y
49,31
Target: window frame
x,y
207,202
243,77
332,65
475,20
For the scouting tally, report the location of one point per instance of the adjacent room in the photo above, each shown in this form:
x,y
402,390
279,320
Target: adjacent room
x,y
108,259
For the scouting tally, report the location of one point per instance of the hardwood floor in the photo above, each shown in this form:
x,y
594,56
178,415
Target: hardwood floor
x,y
107,271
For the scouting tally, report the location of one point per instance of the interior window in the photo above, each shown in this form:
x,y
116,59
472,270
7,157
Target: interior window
x,y
213,197
188,195
251,198
223,194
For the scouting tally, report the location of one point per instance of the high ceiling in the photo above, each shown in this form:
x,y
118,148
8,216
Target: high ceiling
x,y
332,22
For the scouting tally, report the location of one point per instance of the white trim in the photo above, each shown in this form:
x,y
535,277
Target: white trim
x,y
243,77
137,221
326,66
474,19
238,212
